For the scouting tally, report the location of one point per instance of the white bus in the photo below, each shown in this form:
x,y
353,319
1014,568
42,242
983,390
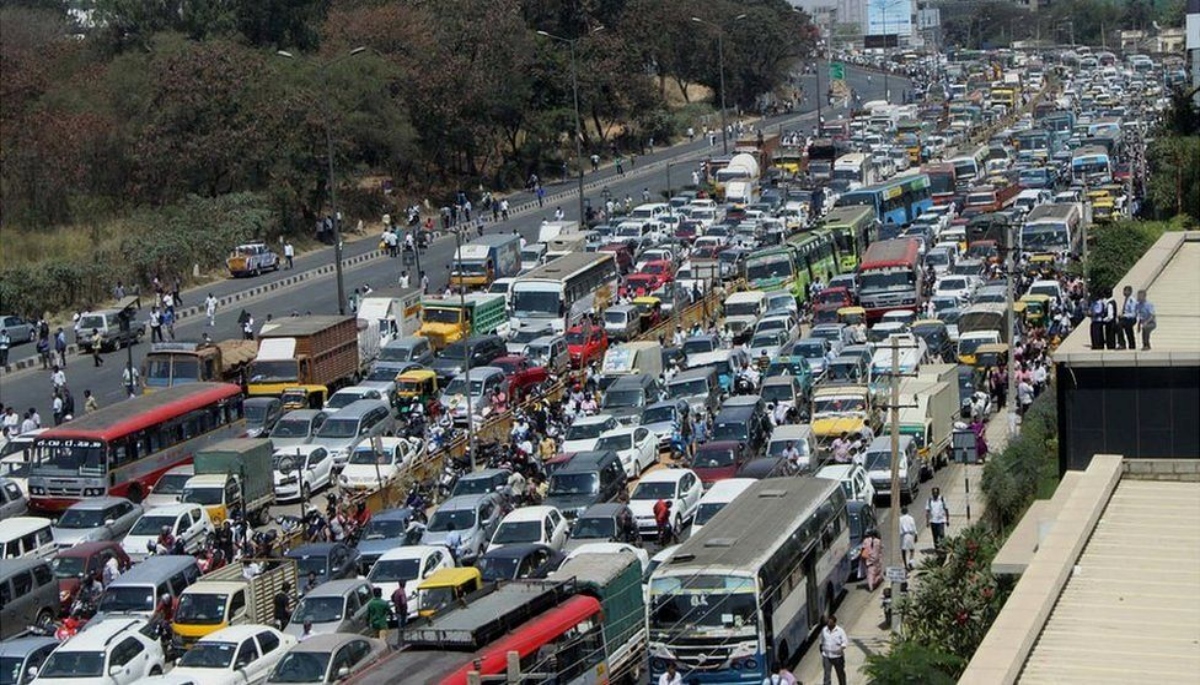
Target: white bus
x,y
562,291
855,170
752,586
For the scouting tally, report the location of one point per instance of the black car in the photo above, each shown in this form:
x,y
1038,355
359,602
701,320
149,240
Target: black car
x,y
590,478
262,413
328,560
519,562
768,467
607,522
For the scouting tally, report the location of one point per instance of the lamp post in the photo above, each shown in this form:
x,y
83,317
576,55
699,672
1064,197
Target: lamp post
x,y
337,219
721,62
578,120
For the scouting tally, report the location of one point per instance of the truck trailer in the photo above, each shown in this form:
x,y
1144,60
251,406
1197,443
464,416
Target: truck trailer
x,y
313,354
485,259
233,474
174,363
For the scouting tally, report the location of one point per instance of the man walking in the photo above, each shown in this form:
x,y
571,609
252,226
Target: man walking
x,y
1146,320
97,343
400,609
60,347
210,309
89,402
155,325
377,614
908,538
5,343
833,651
937,516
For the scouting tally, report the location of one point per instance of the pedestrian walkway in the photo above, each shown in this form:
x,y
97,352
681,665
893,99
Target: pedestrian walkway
x,y
860,612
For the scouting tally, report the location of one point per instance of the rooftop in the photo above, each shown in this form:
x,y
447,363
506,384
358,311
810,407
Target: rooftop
x,y
1170,273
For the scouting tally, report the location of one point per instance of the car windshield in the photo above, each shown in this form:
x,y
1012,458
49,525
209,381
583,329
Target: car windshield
x,y
343,399
152,525
879,461
706,511
594,528
395,570
714,458
255,413
574,484
622,398
311,564
809,349
72,664
777,392
385,529
395,354
458,519
209,496
67,567
458,386
171,483
338,428
587,431
76,518
319,610
127,598
690,388
617,443
763,340
728,430
660,414
286,428
382,373
518,531
368,457
654,490
698,346
201,608
952,284
301,667
209,655
838,405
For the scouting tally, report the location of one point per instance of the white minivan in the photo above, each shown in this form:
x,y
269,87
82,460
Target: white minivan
x,y
878,463
720,494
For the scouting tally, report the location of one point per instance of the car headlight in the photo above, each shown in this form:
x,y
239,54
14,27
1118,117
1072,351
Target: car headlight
x,y
37,490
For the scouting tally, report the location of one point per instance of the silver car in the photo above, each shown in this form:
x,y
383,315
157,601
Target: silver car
x,y
297,428
95,520
472,517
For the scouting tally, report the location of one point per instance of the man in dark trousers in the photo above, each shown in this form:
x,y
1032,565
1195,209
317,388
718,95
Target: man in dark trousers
x,y
400,609
283,606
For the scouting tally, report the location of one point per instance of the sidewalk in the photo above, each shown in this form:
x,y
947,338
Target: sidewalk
x,y
860,612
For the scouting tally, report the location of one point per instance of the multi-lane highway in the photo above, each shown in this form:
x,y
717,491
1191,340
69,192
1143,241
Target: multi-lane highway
x,y
318,294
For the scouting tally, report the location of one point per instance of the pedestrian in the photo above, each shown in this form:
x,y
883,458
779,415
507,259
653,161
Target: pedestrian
x,y
155,325
60,346
283,606
403,279
871,565
908,538
671,676
1146,319
43,350
58,378
168,322
558,214
1110,321
504,209
1024,395
424,284
248,328
979,428
97,346
1096,328
57,408
400,609
662,518
129,379
1125,336
210,309
377,613
833,651
937,516
5,344
89,402
780,676
289,254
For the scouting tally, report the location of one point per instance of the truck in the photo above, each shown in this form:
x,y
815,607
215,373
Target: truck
x,y
308,355
225,597
175,363
985,199
821,155
235,473
928,409
743,167
450,319
638,357
551,230
397,312
485,259
615,579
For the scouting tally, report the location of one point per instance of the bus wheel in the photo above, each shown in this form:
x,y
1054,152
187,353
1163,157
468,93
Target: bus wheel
x,y
135,493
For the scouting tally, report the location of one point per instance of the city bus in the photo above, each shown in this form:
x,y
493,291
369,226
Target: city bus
x,y
557,635
896,202
890,277
853,229
1091,165
854,171
561,292
1052,229
122,449
794,265
750,588
942,184
970,169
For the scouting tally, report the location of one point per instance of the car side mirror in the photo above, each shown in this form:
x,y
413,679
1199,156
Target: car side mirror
x,y
109,522
114,670
343,673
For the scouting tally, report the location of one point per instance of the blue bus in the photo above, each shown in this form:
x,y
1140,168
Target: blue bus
x,y
896,202
751,587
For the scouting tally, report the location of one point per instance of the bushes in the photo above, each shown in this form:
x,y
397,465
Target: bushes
x,y
1117,247
912,663
1013,478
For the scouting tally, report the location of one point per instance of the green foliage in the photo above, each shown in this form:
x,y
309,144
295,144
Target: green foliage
x,y
1116,247
1174,176
1012,478
913,663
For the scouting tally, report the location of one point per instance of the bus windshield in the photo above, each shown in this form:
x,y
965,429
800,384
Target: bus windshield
x,y
712,601
774,266
536,303
69,455
888,279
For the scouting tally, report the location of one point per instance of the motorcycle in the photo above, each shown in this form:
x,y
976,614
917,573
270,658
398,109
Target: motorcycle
x,y
886,601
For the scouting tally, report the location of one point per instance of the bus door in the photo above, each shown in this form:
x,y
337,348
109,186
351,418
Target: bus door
x,y
812,601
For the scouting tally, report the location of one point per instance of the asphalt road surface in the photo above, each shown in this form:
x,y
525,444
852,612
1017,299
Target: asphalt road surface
x,y
32,387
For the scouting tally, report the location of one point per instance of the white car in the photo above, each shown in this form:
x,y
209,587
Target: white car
x,y
169,487
347,396
642,555
854,480
958,287
302,470
681,488
238,655
368,470
540,524
770,342
412,565
637,446
582,435
189,522
779,322
114,651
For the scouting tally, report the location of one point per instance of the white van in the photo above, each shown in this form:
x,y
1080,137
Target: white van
x,y
802,438
720,494
26,537
878,463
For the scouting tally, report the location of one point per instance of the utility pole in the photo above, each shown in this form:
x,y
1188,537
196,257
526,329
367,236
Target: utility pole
x,y
894,409
462,302
819,94
1010,277
721,62
578,120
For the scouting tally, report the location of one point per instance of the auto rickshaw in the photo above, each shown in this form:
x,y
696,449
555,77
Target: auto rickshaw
x,y
852,315
417,386
1037,309
1102,205
445,587
650,308
991,354
1044,264
304,397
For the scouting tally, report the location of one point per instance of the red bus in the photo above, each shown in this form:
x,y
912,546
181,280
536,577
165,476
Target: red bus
x,y
942,182
123,449
890,277
564,644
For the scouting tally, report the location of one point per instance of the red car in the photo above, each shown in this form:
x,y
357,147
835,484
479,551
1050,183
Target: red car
x,y
584,349
639,284
73,564
662,268
523,377
718,460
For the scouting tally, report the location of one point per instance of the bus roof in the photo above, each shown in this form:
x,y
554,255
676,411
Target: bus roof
x,y
136,414
566,266
884,253
747,530
843,216
488,617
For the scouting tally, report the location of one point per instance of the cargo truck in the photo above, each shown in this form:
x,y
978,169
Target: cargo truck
x,y
235,474
176,363
928,408
225,597
842,409
450,319
615,579
396,311
485,259
308,358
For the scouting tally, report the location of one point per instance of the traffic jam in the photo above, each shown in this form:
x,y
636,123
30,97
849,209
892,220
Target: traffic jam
x,y
655,441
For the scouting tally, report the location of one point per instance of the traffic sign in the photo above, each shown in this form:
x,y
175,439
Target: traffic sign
x,y
896,574
837,71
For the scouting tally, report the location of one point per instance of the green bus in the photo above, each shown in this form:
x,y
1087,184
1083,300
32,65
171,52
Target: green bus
x,y
794,265
853,229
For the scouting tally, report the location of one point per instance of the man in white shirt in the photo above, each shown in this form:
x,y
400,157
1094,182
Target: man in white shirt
x,y
841,449
671,676
210,309
833,650
908,538
937,515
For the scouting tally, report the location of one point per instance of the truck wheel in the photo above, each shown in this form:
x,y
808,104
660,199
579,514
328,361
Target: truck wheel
x,y
256,273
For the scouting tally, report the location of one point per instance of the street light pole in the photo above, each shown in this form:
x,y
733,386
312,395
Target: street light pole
x,y
721,67
337,219
578,118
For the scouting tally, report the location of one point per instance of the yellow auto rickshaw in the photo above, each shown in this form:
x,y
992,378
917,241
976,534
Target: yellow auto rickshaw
x,y
650,308
1102,205
416,387
445,587
991,354
1044,264
1037,309
852,315
304,397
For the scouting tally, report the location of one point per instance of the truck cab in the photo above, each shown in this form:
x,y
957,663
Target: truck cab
x,y
237,473
225,597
